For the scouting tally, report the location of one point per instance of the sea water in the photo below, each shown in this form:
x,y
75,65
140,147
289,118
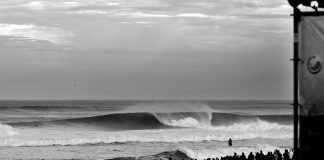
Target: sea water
x,y
106,129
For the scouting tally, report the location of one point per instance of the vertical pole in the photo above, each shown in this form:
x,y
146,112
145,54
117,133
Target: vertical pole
x,y
296,92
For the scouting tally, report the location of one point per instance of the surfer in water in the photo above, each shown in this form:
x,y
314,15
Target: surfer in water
x,y
230,142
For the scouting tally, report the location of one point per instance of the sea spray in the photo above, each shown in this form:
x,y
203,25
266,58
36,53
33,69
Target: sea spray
x,y
185,119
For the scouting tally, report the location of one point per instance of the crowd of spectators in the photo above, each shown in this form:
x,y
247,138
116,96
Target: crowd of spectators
x,y
276,155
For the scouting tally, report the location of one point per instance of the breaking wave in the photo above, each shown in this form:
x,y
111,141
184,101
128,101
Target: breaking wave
x,y
146,127
185,119
139,121
118,121
225,119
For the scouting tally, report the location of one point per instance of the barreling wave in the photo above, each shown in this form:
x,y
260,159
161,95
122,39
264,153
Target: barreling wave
x,y
147,127
118,121
138,121
185,119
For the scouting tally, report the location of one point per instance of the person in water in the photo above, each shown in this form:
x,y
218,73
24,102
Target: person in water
x,y
230,142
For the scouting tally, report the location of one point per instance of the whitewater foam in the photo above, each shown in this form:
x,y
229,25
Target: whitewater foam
x,y
68,136
6,130
185,119
185,122
257,125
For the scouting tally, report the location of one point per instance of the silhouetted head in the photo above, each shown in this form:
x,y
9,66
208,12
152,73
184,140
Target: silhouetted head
x,y
294,3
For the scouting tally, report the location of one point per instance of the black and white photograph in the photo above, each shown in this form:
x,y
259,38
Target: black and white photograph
x,y
161,79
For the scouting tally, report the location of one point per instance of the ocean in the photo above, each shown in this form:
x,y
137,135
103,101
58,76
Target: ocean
x,y
88,129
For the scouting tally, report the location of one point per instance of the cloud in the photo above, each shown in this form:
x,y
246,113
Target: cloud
x,y
206,41
42,5
141,22
36,5
141,3
112,4
143,15
194,15
202,4
33,32
201,15
180,15
88,12
279,31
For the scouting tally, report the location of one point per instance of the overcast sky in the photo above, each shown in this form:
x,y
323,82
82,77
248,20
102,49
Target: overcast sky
x,y
145,49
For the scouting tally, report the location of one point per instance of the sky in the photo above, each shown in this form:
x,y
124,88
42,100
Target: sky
x,y
146,49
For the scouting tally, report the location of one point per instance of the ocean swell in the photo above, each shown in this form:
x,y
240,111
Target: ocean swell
x,y
118,121
139,121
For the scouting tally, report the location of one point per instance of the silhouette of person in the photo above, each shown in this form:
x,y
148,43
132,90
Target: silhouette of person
x,y
230,142
235,156
261,155
251,156
242,157
286,155
279,155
